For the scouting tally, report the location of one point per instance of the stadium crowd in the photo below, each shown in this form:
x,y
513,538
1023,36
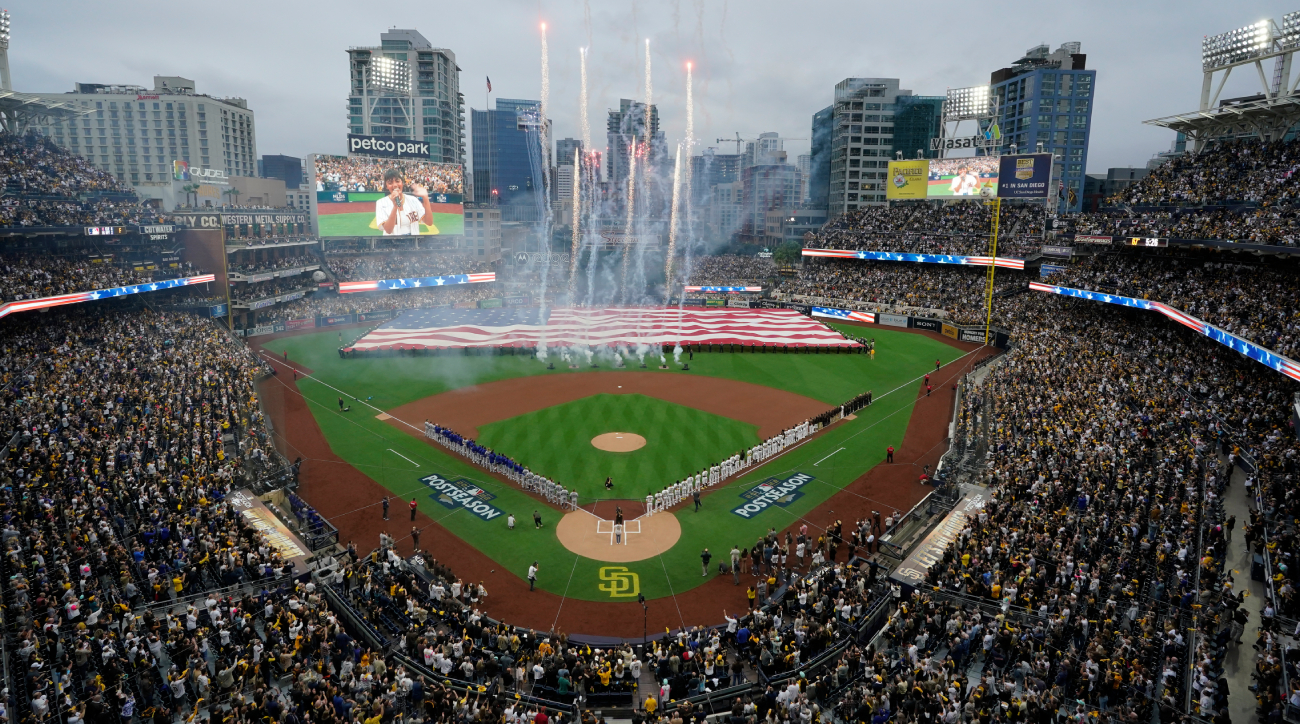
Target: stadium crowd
x,y
929,228
403,266
956,292
30,276
1250,171
730,270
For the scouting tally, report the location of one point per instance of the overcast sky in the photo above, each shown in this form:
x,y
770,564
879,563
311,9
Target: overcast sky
x,y
761,65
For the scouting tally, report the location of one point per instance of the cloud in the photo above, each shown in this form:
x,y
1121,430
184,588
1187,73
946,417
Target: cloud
x,y
761,65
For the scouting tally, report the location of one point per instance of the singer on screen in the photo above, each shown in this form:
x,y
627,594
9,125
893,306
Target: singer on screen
x,y
400,213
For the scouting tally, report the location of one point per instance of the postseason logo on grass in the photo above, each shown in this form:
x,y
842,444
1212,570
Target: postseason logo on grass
x,y
461,493
772,492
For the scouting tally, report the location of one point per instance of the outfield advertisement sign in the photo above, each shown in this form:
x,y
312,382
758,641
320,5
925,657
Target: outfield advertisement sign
x,y
892,320
949,331
772,491
336,319
462,493
376,316
1024,177
300,323
931,325
972,335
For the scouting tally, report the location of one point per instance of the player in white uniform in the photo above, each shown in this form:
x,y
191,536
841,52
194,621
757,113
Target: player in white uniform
x,y
573,499
400,213
649,504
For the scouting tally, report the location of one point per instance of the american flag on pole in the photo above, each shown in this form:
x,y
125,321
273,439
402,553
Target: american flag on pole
x,y
426,328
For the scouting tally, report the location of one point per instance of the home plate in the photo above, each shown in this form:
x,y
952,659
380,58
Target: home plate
x,y
383,416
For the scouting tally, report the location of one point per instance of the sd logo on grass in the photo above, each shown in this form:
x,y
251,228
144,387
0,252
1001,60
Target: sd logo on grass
x,y
461,493
622,583
772,492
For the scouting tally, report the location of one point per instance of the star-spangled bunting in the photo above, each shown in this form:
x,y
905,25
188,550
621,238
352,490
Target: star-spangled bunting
x,y
27,305
1002,262
415,282
1264,356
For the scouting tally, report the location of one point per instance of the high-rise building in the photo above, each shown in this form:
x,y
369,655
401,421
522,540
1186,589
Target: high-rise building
x,y
286,168
804,164
1044,102
767,149
917,120
862,141
136,133
710,169
565,148
509,167
765,187
406,88
819,176
625,126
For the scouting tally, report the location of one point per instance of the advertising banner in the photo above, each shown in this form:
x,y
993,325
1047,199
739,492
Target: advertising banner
x,y
715,302
494,303
219,310
336,319
962,177
693,302
1086,239
385,147
908,179
912,571
261,329
949,331
972,335
893,320
800,308
738,303
1048,270
1066,251
769,304
290,547
515,301
300,323
1024,177
364,196
931,325
376,316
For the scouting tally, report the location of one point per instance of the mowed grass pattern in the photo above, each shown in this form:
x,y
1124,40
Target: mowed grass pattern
x,y
680,441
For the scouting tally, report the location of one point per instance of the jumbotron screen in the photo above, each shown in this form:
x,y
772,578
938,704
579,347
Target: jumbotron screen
x,y
365,196
958,177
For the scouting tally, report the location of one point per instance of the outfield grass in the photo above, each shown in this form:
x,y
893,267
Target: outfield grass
x,y
378,449
680,441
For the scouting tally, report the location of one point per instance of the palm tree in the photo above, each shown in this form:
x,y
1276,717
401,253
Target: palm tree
x,y
233,193
191,189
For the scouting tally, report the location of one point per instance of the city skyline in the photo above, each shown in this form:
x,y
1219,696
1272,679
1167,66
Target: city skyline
x,y
292,66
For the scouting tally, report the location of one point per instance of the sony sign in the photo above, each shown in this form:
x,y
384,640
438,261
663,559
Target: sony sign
x,y
387,147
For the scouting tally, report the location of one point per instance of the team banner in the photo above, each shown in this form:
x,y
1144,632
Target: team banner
x,y
255,513
1024,177
913,569
908,180
27,305
831,312
415,283
1003,262
1266,357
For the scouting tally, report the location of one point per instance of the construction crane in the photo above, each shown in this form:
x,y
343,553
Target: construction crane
x,y
742,141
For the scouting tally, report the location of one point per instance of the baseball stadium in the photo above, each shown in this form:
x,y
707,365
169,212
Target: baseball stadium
x,y
475,424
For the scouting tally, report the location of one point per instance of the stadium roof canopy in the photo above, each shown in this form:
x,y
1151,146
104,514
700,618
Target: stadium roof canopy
x,y
1267,117
21,111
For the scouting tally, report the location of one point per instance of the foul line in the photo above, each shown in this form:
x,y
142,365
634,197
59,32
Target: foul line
x,y
819,462
403,457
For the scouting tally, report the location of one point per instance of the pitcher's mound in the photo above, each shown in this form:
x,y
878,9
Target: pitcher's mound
x,y
618,442
593,537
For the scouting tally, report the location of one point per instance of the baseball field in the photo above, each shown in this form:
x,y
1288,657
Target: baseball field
x,y
548,420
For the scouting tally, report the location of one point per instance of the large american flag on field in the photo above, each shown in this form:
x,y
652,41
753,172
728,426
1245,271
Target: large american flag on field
x,y
425,328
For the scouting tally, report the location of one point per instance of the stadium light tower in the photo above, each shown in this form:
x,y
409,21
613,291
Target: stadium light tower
x,y
5,83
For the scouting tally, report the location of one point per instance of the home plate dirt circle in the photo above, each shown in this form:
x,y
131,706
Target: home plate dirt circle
x,y
618,442
592,537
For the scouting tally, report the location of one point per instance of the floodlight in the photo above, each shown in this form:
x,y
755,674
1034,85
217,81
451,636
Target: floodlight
x,y
390,74
1290,30
1236,46
4,28
966,103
